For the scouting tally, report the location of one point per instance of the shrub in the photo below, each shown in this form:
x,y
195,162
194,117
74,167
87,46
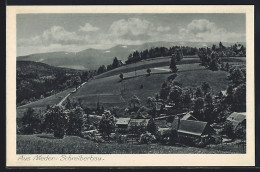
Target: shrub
x,y
151,127
240,132
200,144
147,138
168,137
148,71
228,130
107,124
31,122
56,120
98,139
120,138
75,121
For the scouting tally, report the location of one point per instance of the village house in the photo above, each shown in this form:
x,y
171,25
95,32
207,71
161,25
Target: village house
x,y
138,122
191,131
138,125
237,118
122,125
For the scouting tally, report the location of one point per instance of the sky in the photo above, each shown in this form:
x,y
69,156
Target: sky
x,y
38,33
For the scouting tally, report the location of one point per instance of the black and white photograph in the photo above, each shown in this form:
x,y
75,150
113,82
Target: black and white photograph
x,y
132,83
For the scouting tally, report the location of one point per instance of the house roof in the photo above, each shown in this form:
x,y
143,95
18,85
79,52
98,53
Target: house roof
x,y
188,116
237,117
192,127
163,130
162,123
139,122
123,121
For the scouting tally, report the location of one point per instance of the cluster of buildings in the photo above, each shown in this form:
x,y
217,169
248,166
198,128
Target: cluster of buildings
x,y
188,128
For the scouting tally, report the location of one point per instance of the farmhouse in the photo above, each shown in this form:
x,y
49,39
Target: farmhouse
x,y
138,123
122,123
162,123
237,118
189,131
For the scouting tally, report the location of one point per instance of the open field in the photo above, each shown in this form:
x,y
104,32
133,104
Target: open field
x,y
122,91
193,75
113,92
189,75
233,59
159,62
42,103
47,144
145,64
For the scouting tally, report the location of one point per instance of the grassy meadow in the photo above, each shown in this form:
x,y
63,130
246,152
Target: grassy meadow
x,y
42,103
193,75
113,92
189,75
47,144
122,91
144,64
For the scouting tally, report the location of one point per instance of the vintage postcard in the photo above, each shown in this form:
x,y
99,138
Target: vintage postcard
x,y
130,86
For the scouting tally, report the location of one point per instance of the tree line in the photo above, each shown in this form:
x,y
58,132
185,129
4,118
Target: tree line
x,y
160,52
211,58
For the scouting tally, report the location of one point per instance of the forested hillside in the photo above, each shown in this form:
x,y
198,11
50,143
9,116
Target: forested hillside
x,y
38,80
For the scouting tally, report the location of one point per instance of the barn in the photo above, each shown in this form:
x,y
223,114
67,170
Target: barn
x,y
138,126
138,123
237,118
122,124
191,131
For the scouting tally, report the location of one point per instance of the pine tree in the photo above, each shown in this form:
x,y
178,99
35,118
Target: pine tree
x,y
173,66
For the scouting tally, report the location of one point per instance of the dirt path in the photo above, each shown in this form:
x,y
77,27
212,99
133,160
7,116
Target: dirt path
x,y
60,103
157,68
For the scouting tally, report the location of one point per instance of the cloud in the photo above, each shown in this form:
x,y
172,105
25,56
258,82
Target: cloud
x,y
204,30
135,27
54,35
124,31
201,26
58,34
163,29
88,28
131,31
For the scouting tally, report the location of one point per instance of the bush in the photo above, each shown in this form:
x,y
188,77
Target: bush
x,y
168,137
228,130
151,127
200,144
98,139
31,122
107,124
121,138
240,132
147,138
172,77
75,121
56,120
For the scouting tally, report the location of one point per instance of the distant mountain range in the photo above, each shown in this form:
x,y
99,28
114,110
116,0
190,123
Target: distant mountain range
x,y
93,58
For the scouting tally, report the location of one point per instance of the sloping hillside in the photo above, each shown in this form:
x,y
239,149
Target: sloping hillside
x,y
35,80
190,74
